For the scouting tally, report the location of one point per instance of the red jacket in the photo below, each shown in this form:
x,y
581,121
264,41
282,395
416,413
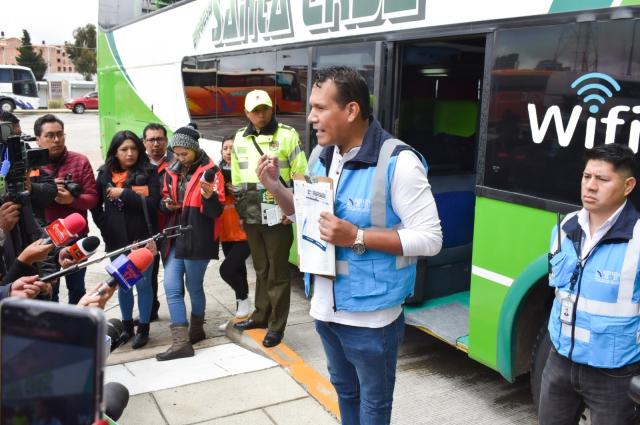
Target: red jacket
x,y
161,169
201,242
79,167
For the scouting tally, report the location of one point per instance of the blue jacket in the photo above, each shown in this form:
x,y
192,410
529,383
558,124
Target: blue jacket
x,y
604,292
375,280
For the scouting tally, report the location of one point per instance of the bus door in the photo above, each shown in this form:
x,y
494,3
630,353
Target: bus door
x,y
436,111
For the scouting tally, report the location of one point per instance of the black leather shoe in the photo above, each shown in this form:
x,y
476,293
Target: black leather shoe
x,y
249,324
272,338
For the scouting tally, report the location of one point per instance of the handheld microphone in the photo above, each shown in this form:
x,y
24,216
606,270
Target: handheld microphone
x,y
116,398
208,176
84,248
63,230
126,271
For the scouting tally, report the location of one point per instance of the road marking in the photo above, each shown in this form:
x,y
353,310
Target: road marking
x,y
492,276
316,384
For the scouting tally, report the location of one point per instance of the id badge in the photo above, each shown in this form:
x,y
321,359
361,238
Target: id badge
x,y
271,214
566,311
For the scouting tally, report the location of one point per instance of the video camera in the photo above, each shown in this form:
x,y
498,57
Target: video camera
x,y
16,158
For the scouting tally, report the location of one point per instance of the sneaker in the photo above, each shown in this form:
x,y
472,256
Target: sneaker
x,y
243,307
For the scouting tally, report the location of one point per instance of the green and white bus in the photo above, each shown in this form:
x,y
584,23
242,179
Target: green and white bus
x,y
502,97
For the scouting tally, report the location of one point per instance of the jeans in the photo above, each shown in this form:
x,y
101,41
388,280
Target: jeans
x,y
362,365
75,287
175,270
233,269
145,299
567,387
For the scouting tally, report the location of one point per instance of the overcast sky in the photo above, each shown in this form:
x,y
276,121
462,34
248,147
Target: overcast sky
x,y
50,20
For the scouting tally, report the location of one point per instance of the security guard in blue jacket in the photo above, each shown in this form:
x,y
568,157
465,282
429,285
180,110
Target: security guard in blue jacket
x,y
595,320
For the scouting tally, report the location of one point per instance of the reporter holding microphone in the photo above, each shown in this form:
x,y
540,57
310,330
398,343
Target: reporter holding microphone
x,y
193,194
128,196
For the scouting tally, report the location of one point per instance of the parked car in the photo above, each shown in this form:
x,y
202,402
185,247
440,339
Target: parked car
x,y
80,104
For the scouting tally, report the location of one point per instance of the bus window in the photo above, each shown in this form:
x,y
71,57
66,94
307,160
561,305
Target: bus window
x,y
215,88
359,56
531,83
291,81
5,75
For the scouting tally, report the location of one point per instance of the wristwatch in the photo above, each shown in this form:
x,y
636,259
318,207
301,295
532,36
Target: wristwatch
x,y
358,247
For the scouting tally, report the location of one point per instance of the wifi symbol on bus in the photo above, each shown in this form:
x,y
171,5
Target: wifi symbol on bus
x,y
598,90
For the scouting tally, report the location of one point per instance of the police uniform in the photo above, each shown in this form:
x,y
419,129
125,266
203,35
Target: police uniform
x,y
269,243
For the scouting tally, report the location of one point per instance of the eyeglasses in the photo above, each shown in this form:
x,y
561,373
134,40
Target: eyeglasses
x,y
51,136
158,140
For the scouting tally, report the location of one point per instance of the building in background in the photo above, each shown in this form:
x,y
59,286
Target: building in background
x,y
54,55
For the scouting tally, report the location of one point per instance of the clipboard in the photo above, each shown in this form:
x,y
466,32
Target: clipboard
x,y
311,196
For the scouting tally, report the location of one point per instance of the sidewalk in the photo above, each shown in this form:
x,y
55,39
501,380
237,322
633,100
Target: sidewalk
x,y
232,379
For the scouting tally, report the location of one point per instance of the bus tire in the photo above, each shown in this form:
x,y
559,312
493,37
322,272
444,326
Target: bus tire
x,y
7,105
541,349
79,108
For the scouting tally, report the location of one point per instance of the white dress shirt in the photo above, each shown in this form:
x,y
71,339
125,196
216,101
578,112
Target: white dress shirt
x,y
420,234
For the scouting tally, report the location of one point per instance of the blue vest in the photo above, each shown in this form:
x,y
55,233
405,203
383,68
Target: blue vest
x,y
374,280
605,293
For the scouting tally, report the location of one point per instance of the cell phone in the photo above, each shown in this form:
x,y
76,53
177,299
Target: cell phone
x,y
52,362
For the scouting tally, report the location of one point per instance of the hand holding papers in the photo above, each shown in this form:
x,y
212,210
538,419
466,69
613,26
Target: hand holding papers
x,y
313,195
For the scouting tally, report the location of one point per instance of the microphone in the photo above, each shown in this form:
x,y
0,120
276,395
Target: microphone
x,y
116,398
84,248
126,271
208,176
63,230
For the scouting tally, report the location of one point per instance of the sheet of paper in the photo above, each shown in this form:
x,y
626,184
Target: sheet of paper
x,y
311,197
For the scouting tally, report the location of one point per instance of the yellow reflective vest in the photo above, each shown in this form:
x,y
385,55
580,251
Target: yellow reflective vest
x,y
276,139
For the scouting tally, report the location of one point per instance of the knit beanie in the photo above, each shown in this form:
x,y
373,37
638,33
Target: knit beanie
x,y
186,137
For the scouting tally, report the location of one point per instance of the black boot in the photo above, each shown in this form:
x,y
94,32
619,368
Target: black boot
x,y
127,332
142,336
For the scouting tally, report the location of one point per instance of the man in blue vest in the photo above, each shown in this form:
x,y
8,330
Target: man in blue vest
x,y
385,216
595,319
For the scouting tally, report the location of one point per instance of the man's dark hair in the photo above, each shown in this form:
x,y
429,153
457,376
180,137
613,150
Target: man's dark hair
x,y
620,156
153,126
351,87
45,119
6,116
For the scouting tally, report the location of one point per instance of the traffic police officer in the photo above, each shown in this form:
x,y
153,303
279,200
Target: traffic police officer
x,y
268,235
595,319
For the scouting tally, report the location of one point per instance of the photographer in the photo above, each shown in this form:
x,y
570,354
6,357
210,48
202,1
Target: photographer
x,y
75,184
39,183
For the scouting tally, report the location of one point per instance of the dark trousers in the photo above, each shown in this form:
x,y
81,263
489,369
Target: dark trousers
x,y
270,247
233,269
362,364
75,287
567,387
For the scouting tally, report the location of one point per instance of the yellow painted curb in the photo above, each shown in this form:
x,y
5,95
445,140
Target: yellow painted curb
x,y
315,384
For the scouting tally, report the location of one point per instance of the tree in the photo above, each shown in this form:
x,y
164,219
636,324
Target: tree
x,y
29,58
83,50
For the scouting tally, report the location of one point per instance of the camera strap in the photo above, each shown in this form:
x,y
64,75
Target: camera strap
x,y
145,210
253,139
